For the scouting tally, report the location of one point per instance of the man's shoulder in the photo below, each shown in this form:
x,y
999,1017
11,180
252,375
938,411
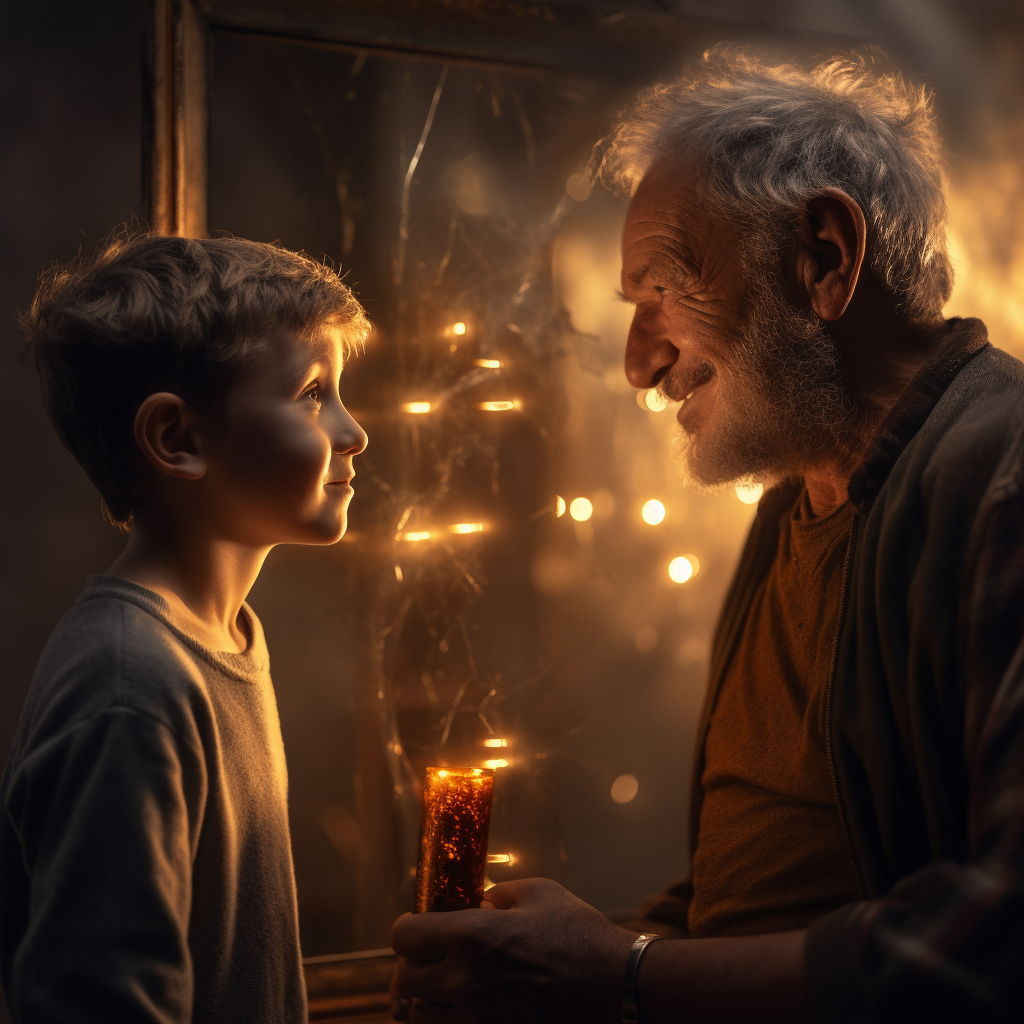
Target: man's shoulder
x,y
976,431
110,652
964,462
992,383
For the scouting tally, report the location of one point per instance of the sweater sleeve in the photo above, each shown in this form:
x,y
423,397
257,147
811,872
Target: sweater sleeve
x,y
106,814
947,943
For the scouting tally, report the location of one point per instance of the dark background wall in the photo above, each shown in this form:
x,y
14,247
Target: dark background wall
x,y
70,170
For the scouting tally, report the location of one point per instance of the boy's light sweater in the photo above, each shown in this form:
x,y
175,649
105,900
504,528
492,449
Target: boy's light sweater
x,y
145,862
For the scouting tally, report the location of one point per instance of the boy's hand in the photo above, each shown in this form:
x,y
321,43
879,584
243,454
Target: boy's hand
x,y
532,952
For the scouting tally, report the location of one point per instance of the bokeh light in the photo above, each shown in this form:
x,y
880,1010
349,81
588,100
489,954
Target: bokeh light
x,y
416,407
488,364
458,328
581,509
467,528
653,512
578,186
749,493
646,639
498,762
682,568
625,788
559,506
656,401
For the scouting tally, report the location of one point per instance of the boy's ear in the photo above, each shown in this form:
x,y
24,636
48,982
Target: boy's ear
x,y
830,243
167,432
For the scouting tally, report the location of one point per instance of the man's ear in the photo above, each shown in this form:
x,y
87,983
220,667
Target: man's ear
x,y
167,432
830,242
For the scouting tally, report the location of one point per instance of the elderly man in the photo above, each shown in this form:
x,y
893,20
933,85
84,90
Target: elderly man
x,y
858,805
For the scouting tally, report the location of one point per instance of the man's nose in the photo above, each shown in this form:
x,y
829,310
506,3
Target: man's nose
x,y
649,352
349,437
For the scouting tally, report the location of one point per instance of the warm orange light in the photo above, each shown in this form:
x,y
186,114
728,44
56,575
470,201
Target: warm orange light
x,y
578,186
656,401
493,741
501,858
458,328
681,569
498,762
467,528
559,506
416,535
581,509
505,406
454,824
625,788
749,494
416,407
653,512
488,364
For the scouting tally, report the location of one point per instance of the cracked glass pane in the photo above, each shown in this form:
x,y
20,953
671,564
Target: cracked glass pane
x,y
504,596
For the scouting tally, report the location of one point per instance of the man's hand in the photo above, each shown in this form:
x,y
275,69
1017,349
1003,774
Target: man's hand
x,y
531,953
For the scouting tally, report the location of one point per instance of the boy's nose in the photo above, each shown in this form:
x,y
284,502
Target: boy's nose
x,y
350,438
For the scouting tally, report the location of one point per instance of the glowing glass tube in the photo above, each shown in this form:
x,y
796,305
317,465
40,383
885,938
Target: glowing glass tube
x,y
454,822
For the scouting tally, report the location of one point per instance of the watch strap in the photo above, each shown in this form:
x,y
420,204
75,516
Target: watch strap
x,y
629,1010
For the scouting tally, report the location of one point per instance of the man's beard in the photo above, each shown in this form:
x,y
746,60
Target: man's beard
x,y
782,406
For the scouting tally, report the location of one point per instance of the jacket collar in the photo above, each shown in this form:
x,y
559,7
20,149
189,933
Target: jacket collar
x,y
966,338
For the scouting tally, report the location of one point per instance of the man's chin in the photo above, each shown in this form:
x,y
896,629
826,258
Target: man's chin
x,y
707,466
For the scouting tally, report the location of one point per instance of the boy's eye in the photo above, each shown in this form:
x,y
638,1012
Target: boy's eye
x,y
312,393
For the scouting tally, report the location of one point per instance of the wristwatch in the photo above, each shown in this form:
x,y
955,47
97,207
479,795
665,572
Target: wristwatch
x,y
629,1015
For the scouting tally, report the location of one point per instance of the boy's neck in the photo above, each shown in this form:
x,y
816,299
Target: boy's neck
x,y
204,580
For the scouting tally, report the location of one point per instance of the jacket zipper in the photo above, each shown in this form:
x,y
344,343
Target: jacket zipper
x,y
828,712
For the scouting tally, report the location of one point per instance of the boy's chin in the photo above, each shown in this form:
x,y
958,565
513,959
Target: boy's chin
x,y
323,532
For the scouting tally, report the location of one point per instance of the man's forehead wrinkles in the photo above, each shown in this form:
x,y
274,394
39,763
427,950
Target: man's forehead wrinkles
x,y
660,225
670,263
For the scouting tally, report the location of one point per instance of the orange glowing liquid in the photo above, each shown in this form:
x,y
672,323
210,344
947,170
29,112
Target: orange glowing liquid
x,y
454,823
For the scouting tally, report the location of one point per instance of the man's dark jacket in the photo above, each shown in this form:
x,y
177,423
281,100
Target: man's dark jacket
x,y
925,701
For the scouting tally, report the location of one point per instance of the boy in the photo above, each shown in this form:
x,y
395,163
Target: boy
x,y
145,864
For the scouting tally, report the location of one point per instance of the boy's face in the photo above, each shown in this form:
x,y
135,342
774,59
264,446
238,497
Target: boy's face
x,y
279,456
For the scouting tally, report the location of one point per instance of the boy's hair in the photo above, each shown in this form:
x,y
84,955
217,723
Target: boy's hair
x,y
144,313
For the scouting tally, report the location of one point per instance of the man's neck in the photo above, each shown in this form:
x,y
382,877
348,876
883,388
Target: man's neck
x,y
203,579
880,353
826,493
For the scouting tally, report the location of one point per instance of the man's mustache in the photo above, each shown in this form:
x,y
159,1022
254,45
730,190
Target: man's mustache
x,y
679,383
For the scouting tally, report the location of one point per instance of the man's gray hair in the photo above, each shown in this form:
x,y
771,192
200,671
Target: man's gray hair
x,y
769,138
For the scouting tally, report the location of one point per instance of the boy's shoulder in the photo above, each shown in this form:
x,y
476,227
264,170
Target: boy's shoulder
x,y
116,648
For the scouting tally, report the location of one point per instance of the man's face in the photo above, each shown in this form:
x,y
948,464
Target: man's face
x,y
280,452
755,376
